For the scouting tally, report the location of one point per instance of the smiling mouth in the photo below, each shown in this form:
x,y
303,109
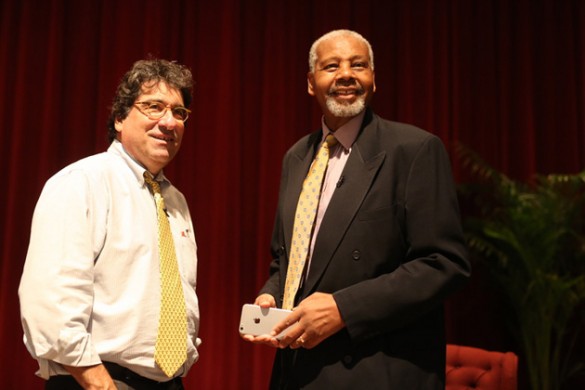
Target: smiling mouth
x,y
346,92
162,137
341,91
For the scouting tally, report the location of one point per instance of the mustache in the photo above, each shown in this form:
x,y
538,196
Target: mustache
x,y
344,84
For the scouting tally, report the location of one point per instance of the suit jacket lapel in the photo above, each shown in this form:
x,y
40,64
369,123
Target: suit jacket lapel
x,y
359,172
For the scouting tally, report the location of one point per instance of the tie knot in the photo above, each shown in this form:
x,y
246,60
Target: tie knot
x,y
153,184
331,140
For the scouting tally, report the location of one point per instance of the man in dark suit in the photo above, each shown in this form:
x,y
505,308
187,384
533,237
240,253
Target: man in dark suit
x,y
386,245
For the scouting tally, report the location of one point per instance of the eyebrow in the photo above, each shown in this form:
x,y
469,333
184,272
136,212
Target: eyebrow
x,y
161,101
351,59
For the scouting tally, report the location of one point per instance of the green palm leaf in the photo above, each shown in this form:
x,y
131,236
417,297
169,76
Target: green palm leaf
x,y
532,239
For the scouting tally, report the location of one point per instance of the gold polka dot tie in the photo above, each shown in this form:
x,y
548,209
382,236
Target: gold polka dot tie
x,y
170,351
304,222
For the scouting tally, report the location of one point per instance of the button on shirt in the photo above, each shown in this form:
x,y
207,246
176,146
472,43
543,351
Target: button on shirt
x,y
90,289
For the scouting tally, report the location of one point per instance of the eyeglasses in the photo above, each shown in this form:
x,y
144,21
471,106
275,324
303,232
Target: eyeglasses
x,y
156,110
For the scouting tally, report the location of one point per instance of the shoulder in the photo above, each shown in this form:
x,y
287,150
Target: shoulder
x,y
394,138
88,173
89,165
396,131
304,145
306,142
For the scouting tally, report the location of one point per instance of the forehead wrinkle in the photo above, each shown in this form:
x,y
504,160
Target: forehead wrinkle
x,y
340,48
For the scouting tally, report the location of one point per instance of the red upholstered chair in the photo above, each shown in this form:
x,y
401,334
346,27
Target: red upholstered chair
x,y
474,368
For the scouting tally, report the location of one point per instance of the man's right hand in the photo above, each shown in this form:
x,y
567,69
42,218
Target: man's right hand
x,y
264,300
92,377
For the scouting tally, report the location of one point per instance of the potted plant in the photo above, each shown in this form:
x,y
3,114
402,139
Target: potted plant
x,y
531,236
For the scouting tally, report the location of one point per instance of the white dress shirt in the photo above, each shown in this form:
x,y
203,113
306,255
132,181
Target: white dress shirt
x,y
90,288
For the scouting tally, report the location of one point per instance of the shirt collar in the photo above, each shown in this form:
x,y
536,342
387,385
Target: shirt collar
x,y
137,169
346,134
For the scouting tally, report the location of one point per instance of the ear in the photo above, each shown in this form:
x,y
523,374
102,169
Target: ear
x,y
118,125
373,81
311,83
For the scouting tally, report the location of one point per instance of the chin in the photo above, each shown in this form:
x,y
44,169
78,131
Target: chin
x,y
346,110
162,157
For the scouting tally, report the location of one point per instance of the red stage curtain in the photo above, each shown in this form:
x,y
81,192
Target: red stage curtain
x,y
503,77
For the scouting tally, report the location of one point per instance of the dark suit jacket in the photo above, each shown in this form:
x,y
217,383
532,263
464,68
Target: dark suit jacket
x,y
390,249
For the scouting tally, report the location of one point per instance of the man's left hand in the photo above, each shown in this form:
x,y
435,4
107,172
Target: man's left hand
x,y
317,317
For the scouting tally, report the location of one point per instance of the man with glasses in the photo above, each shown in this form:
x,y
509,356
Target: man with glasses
x,y
92,286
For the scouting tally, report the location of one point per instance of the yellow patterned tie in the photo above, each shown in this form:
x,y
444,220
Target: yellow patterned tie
x,y
170,351
304,221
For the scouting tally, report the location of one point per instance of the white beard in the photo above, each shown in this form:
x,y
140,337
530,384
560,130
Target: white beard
x,y
343,110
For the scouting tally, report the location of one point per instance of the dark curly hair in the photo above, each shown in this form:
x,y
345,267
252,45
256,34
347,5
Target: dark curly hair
x,y
147,73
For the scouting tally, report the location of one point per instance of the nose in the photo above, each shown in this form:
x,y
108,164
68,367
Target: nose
x,y
168,121
345,77
345,71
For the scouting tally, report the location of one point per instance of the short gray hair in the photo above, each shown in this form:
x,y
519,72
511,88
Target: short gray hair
x,y
335,34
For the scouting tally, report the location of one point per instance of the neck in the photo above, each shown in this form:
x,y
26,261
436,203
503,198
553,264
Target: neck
x,y
333,123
